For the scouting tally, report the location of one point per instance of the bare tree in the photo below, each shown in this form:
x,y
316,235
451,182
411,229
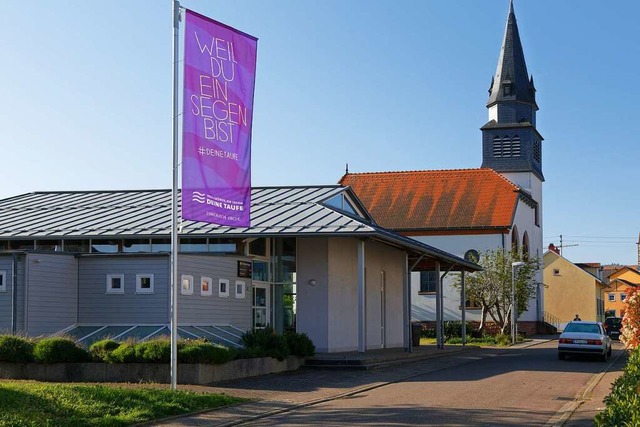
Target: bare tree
x,y
491,287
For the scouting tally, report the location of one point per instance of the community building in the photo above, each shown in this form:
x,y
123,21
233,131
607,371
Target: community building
x,y
96,264
469,211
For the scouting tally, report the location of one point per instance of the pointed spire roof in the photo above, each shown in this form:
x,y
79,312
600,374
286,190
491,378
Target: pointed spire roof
x,y
511,82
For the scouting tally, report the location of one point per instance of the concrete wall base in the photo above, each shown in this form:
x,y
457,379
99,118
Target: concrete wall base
x,y
200,374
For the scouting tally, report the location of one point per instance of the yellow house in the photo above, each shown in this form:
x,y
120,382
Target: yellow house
x,y
620,283
570,291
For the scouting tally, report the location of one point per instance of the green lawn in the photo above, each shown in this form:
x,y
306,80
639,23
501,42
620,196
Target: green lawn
x,y
29,403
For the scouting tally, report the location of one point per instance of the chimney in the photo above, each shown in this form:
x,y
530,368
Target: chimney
x,y
553,248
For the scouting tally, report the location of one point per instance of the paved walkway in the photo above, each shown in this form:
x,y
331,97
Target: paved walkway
x,y
272,394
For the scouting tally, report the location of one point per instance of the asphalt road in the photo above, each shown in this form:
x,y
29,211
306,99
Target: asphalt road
x,y
528,386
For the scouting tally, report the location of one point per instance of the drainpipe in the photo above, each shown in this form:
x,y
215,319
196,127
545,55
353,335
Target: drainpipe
x,y
361,299
463,301
407,331
439,307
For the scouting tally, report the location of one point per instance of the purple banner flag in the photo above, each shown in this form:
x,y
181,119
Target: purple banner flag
x,y
219,80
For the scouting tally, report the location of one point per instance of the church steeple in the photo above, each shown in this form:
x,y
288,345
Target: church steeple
x,y
511,82
510,140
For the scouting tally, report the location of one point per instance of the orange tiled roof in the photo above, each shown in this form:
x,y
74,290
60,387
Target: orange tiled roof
x,y
436,200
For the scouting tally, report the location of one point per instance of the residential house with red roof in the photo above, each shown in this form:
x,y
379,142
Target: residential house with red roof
x,y
468,211
621,282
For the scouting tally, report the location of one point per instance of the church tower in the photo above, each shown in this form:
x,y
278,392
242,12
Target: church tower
x,y
511,144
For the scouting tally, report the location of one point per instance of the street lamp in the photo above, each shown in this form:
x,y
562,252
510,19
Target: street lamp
x,y
514,312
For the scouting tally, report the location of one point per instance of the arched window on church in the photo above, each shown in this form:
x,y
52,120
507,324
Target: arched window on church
x,y
525,246
515,244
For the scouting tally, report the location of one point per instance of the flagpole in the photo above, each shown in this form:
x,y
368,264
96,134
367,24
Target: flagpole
x,y
174,205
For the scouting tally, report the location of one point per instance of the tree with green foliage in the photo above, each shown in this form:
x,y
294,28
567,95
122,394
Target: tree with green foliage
x,y
491,287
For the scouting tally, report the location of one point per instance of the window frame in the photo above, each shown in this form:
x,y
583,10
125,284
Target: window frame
x,y
612,297
623,296
110,288
243,285
139,288
435,283
225,293
189,289
209,291
470,304
3,281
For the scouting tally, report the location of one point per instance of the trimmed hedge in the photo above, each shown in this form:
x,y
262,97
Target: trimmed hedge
x,y
300,344
259,343
59,350
15,349
200,351
100,350
266,342
624,400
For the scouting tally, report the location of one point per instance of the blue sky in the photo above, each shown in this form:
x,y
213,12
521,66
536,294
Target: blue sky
x,y
382,85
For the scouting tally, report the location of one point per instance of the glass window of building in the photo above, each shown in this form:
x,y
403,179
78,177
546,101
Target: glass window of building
x,y
160,245
106,246
258,247
78,246
49,245
136,245
188,244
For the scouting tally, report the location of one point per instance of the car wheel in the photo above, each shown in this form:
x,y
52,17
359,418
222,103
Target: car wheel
x,y
603,357
609,352
561,356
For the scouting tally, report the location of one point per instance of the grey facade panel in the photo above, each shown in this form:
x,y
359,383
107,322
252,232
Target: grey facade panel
x,y
98,306
52,292
214,309
6,266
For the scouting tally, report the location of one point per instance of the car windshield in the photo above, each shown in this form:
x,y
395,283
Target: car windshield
x,y
582,327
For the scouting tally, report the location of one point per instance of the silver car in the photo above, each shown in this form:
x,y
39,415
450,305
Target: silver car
x,y
581,337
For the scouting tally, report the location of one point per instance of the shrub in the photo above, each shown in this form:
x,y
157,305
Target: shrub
x,y
267,340
125,353
199,351
100,350
15,349
155,351
300,344
502,339
453,329
250,353
427,332
59,350
623,401
630,332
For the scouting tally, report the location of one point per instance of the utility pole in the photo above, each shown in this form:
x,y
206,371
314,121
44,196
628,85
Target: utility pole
x,y
565,246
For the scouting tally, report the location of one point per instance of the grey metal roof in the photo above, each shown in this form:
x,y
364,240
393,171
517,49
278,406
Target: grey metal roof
x,y
275,211
95,214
